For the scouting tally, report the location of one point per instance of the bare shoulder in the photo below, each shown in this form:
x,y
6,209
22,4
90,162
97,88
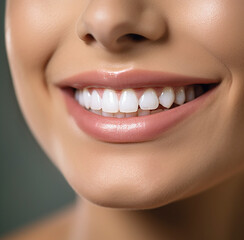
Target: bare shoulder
x,y
56,226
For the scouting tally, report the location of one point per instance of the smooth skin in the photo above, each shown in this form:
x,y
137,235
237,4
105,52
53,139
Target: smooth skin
x,y
186,184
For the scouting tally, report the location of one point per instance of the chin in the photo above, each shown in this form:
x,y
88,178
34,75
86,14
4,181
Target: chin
x,y
133,181
129,187
127,197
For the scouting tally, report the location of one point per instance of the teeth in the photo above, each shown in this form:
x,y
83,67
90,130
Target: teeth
x,y
167,97
149,100
128,102
180,96
77,94
127,106
110,102
86,98
96,102
79,97
190,94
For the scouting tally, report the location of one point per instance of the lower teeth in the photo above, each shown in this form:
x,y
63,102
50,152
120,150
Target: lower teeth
x,y
127,115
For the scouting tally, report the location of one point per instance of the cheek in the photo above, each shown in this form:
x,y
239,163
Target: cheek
x,y
35,29
218,26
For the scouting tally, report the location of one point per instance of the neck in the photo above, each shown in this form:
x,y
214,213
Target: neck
x,y
217,213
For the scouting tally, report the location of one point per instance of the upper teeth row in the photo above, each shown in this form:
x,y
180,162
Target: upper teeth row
x,y
129,102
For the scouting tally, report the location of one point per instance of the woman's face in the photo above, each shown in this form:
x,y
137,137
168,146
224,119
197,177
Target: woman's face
x,y
58,47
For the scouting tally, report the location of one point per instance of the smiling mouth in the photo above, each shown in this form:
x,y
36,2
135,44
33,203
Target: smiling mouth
x,y
133,106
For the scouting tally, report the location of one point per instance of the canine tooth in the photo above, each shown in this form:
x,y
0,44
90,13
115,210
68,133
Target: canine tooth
x,y
128,101
143,112
148,100
86,98
167,97
134,114
180,96
106,114
110,102
190,94
119,115
96,102
98,112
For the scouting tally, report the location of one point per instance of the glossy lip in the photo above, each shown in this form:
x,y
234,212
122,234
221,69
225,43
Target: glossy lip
x,y
130,79
133,129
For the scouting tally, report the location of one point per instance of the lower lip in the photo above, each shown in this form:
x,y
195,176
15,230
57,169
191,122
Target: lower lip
x,y
133,129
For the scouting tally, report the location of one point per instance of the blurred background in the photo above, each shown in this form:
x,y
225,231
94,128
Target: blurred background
x,y
30,186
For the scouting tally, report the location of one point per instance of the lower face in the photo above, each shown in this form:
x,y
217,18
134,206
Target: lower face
x,y
111,154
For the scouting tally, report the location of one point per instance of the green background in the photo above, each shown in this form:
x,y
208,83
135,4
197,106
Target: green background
x,y
30,186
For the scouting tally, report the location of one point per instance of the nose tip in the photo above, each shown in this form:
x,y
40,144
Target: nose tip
x,y
119,24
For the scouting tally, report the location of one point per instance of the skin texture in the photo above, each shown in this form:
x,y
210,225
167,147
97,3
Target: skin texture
x,y
50,40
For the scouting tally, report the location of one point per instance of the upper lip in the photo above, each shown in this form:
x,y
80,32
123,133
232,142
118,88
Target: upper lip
x,y
135,78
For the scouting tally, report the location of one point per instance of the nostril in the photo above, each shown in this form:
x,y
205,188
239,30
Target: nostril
x,y
88,38
132,37
135,37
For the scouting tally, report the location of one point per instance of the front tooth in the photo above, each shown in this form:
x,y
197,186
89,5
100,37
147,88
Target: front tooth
x,y
128,101
110,102
96,102
148,100
167,97
190,94
86,98
180,96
